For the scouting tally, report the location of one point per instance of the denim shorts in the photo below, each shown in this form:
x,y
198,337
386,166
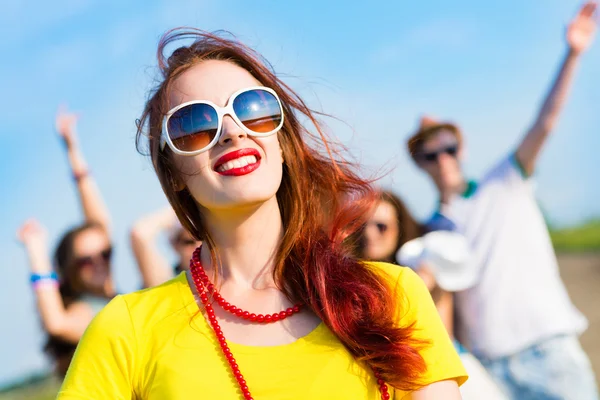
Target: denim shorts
x,y
554,369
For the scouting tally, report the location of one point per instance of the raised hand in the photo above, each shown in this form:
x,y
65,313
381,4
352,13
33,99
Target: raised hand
x,y
582,29
32,233
65,126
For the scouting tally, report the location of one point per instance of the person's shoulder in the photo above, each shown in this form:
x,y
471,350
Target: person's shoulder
x,y
398,276
157,303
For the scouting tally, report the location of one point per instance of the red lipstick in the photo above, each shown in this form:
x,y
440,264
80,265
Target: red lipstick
x,y
234,155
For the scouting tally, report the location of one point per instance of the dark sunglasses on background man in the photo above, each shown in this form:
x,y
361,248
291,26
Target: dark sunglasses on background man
x,y
195,126
432,156
105,256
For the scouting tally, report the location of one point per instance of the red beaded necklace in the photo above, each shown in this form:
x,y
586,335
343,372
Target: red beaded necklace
x,y
206,288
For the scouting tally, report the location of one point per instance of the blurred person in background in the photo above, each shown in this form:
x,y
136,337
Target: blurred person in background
x,y
440,258
518,318
154,268
80,284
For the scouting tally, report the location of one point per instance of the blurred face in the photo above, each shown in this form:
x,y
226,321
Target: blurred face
x,y
381,233
206,174
91,258
440,157
185,244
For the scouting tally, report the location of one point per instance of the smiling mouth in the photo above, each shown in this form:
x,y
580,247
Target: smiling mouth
x,y
237,163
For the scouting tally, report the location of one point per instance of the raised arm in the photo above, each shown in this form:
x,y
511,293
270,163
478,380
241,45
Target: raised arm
x,y
580,34
65,323
153,267
91,200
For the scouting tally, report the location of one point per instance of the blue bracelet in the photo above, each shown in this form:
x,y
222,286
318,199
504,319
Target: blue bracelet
x,y
43,277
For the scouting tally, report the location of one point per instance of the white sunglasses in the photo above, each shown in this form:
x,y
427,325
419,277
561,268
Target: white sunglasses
x,y
195,126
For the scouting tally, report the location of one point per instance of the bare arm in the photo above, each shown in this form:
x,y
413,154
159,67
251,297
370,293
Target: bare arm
x,y
66,323
92,203
580,34
444,390
153,267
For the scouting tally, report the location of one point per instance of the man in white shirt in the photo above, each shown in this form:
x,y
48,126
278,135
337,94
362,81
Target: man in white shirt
x,y
517,318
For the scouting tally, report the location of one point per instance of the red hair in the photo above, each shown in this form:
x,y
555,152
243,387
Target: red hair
x,y
322,203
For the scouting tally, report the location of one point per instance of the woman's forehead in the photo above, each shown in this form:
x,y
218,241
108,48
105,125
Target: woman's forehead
x,y
212,80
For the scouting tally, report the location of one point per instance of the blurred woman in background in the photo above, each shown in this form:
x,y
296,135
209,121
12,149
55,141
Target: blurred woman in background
x,y
80,284
441,259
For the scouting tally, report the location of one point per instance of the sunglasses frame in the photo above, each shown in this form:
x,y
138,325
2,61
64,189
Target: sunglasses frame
x,y
221,113
105,254
449,150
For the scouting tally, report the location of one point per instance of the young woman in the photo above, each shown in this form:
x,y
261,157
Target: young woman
x,y
274,306
70,295
441,259
153,266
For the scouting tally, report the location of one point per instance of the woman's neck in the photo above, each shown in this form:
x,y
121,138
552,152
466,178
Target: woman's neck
x,y
246,243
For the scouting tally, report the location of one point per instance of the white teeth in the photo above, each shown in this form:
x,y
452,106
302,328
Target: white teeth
x,y
237,163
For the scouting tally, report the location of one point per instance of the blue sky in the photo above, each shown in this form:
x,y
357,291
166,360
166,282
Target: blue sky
x,y
376,65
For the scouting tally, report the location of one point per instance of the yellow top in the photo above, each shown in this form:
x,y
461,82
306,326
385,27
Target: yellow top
x,y
154,344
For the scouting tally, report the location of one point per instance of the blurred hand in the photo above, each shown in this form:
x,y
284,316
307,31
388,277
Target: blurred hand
x,y
65,126
426,273
32,233
582,29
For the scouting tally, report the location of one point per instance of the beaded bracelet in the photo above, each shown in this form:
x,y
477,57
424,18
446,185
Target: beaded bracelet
x,y
35,278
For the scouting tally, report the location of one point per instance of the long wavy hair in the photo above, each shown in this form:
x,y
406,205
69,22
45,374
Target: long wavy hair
x,y
322,201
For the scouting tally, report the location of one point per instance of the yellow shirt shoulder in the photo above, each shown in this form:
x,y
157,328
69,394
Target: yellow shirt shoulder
x,y
155,344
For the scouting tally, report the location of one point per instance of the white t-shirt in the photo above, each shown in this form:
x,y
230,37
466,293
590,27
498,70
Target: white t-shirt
x,y
519,298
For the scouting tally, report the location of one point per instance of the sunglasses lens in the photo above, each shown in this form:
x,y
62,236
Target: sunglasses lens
x,y
452,150
84,261
193,127
106,254
430,157
258,110
382,228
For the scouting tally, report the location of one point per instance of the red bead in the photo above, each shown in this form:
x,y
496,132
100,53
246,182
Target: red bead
x,y
210,287
260,318
383,388
268,318
233,309
217,297
239,312
226,306
274,317
385,396
204,298
289,311
253,317
296,308
245,314
283,315
244,388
